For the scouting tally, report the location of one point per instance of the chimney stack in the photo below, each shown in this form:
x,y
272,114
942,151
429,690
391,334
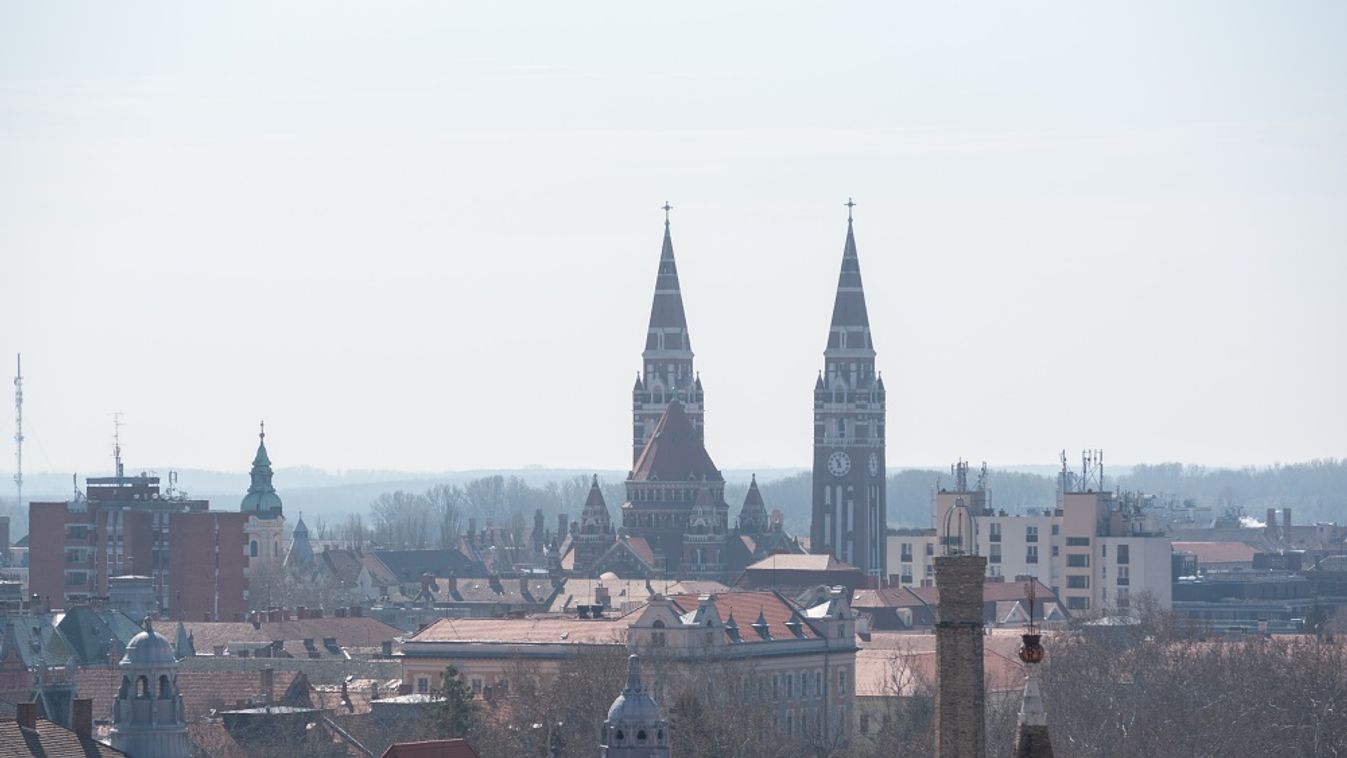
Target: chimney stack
x,y
357,611
82,716
960,711
1272,519
26,715
1286,519
268,685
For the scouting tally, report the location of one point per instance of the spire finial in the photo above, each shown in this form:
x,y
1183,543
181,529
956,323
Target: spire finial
x,y
262,429
667,208
849,204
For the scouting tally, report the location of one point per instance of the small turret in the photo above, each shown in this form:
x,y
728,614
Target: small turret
x,y
635,727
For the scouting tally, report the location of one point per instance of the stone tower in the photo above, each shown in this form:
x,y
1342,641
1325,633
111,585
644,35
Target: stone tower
x,y
960,730
635,727
849,513
753,518
666,370
594,531
147,718
266,519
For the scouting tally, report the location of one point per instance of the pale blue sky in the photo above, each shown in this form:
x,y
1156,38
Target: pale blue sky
x,y
424,235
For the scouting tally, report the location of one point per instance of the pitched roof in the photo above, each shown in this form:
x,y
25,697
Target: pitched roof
x,y
48,740
804,562
748,607
202,691
912,597
610,630
351,631
501,591
674,453
1217,552
431,749
902,673
409,565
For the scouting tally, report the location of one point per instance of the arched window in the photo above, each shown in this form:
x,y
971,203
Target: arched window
x,y
142,687
125,690
165,689
252,549
640,736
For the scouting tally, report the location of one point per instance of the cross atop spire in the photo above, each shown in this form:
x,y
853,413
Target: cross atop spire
x,y
667,208
849,204
262,429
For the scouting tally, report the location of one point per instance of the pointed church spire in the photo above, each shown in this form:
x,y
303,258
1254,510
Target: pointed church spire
x,y
753,517
850,326
668,328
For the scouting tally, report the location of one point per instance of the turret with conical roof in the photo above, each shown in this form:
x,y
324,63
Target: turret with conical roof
x,y
635,727
753,518
300,558
594,533
667,369
849,517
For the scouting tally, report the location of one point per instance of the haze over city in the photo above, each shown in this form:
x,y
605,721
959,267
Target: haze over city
x,y
425,238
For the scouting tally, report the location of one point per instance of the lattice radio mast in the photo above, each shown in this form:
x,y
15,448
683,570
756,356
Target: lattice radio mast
x,y
18,427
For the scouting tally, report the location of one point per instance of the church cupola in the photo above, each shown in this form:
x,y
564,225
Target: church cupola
x,y
148,720
635,727
261,499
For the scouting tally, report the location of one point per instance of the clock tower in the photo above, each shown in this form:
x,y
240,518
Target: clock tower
x,y
849,514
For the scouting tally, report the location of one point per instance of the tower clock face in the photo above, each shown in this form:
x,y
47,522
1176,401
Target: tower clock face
x,y
874,464
839,463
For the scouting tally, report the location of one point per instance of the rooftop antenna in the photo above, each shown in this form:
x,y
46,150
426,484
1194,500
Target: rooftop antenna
x,y
117,441
18,427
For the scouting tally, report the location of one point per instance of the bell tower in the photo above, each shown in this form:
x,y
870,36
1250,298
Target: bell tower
x,y
666,370
849,513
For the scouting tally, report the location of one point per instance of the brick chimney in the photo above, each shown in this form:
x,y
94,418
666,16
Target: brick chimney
x,y
357,611
268,685
82,716
26,715
1272,519
1286,519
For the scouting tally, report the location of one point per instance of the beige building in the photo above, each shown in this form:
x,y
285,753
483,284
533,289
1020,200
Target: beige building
x,y
801,660
1097,551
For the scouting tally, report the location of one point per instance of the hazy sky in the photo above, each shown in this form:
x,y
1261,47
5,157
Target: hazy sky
x,y
424,235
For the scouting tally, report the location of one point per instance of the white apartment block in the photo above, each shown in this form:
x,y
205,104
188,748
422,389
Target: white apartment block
x,y
1096,552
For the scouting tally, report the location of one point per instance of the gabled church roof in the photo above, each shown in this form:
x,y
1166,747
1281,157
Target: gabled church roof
x,y
674,453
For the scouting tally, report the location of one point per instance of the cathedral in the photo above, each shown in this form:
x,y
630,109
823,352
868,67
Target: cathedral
x,y
675,521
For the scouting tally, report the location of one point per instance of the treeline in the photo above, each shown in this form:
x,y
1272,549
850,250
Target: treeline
x,y
1316,491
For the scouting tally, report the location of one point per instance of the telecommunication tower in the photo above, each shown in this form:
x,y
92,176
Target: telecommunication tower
x,y
18,427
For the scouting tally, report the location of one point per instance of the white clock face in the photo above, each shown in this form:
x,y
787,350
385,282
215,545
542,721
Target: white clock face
x,y
839,463
874,464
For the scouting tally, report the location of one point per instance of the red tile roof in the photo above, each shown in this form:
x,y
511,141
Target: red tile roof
x,y
48,740
674,453
776,610
202,691
431,749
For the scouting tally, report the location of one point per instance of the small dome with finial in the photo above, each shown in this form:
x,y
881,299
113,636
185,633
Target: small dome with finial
x,y
149,649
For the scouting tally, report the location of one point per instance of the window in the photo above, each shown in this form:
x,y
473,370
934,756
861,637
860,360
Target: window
x,y
1103,550
906,552
930,549
1077,541
1124,597
1078,560
1031,554
476,686
1078,603
252,549
1078,582
790,686
776,687
865,723
842,681
422,685
1056,529
995,531
930,570
1031,534
1056,551
818,680
1123,578
995,556
1124,554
